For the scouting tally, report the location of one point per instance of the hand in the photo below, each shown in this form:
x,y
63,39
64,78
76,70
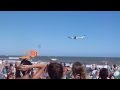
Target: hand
x,y
24,67
77,76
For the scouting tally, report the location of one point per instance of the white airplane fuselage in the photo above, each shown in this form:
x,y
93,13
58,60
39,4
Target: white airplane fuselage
x,y
75,37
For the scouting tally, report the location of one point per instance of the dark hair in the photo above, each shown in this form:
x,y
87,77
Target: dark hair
x,y
25,62
103,73
79,69
11,64
55,70
114,65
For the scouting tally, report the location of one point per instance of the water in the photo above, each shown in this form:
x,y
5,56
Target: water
x,y
86,60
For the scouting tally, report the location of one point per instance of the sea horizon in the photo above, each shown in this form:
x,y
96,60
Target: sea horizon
x,y
67,59
64,56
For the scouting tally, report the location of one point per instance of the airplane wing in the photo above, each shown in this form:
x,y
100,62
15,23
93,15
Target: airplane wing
x,y
71,37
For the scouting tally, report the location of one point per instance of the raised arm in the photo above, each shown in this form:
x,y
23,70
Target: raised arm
x,y
26,67
38,73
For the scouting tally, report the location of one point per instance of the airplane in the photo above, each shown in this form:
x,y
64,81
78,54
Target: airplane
x,y
77,37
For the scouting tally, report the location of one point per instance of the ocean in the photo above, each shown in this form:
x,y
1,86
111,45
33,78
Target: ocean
x,y
86,60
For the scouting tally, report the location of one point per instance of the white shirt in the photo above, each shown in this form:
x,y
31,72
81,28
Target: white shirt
x,y
94,74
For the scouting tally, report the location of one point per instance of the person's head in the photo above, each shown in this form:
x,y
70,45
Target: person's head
x,y
55,70
26,62
103,74
79,71
11,64
114,66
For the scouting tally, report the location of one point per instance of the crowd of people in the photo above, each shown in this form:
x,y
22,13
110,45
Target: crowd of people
x,y
56,70
107,72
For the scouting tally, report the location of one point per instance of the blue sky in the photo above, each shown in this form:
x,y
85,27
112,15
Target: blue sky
x,y
22,31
